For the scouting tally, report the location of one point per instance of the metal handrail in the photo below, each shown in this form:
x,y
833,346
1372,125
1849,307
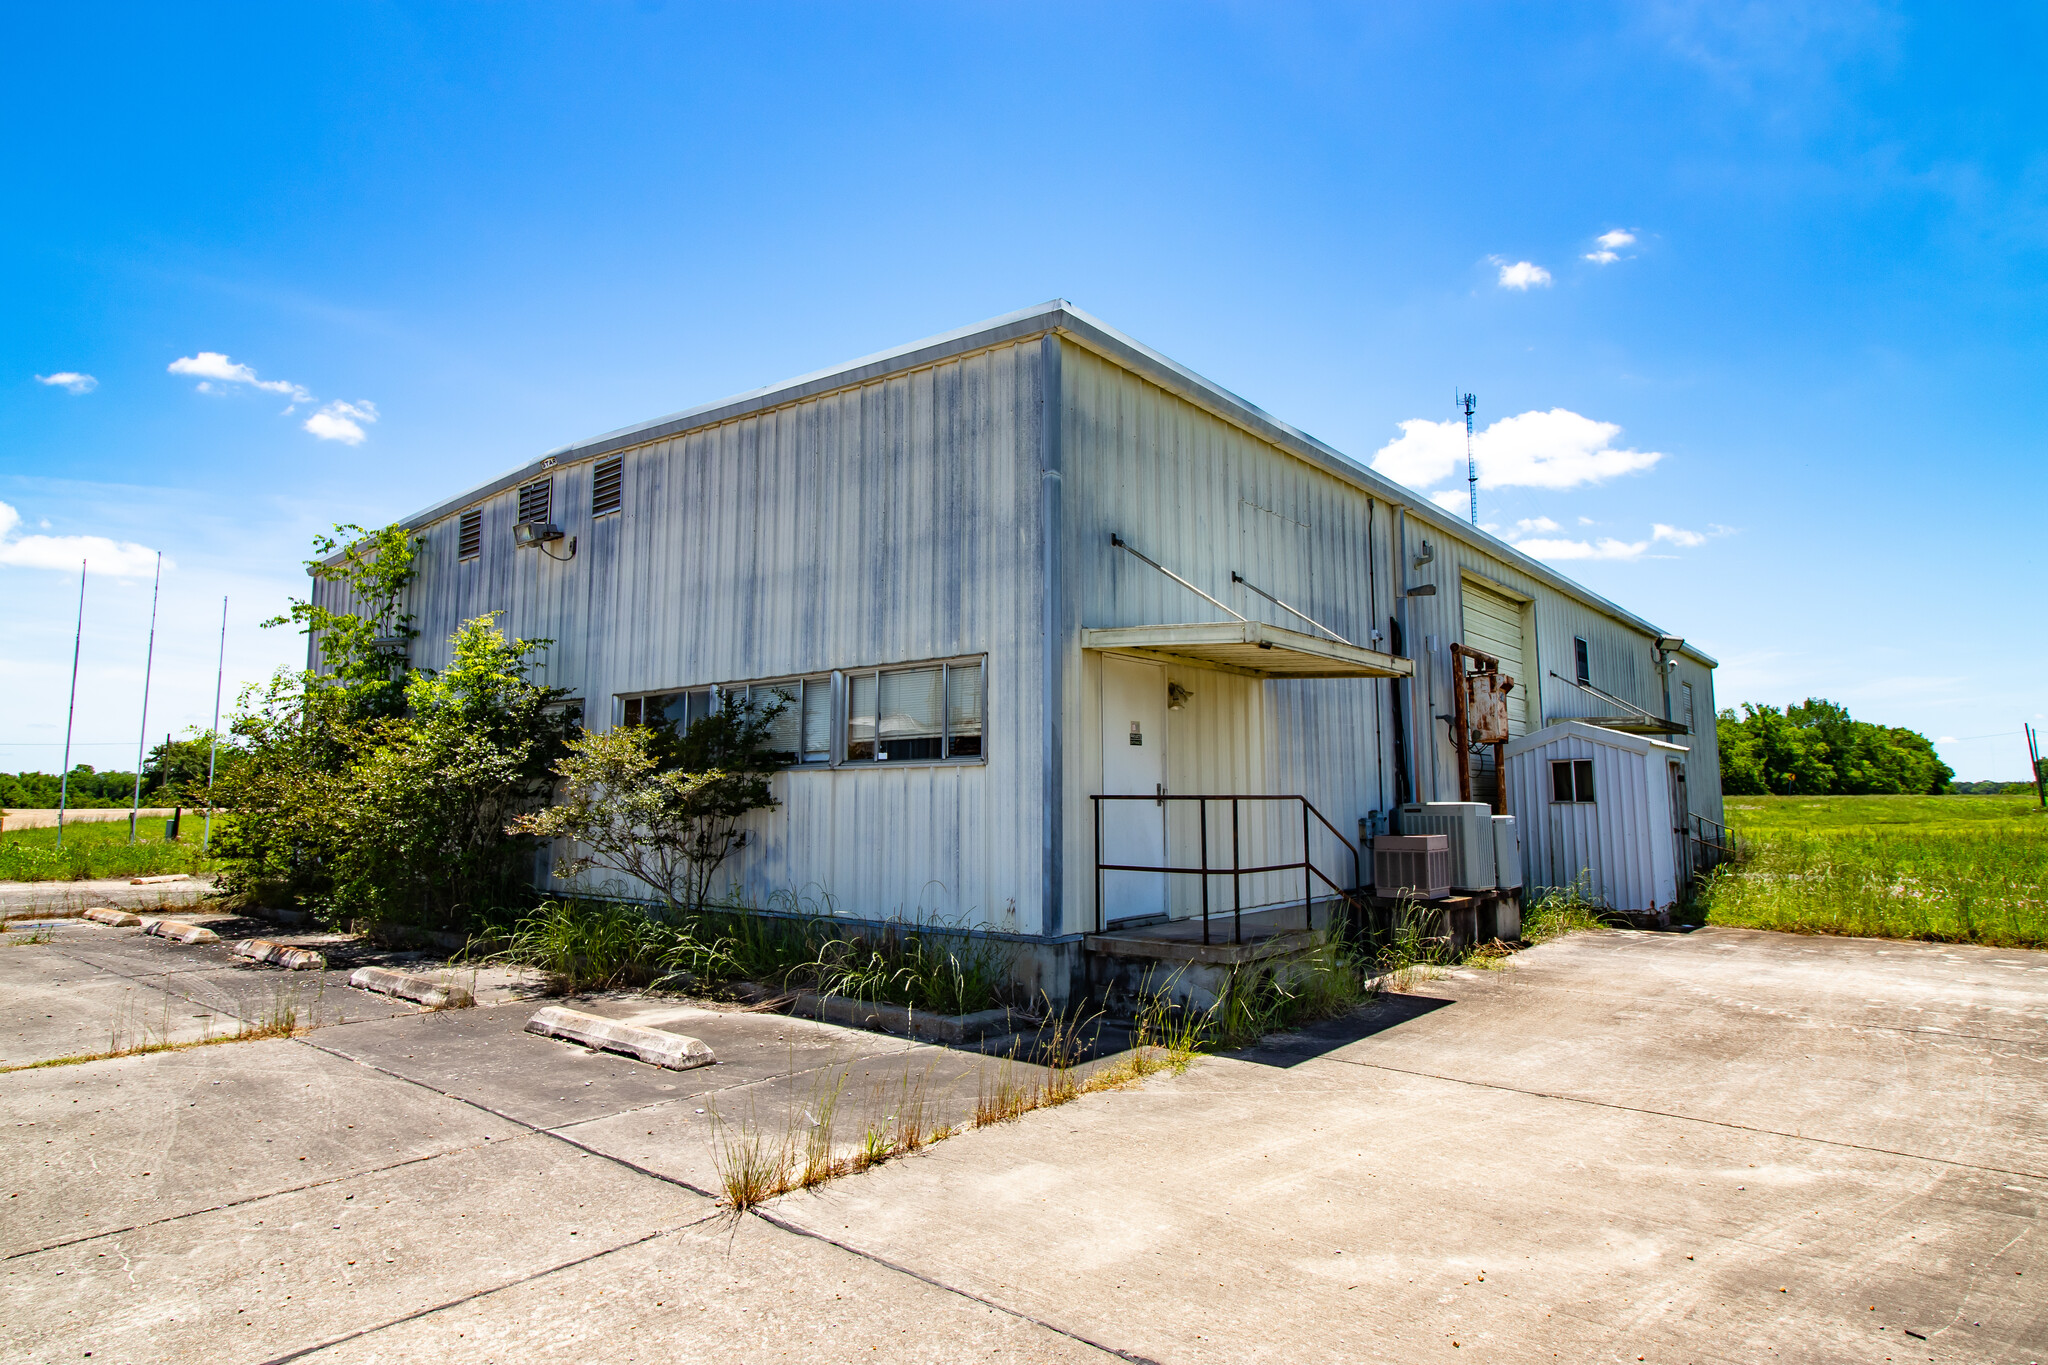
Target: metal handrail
x,y
1237,871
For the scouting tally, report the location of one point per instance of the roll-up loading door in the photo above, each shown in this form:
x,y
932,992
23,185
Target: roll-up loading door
x,y
1493,625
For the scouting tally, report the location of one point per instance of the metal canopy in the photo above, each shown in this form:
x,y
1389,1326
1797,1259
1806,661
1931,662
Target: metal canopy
x,y
1252,648
1632,725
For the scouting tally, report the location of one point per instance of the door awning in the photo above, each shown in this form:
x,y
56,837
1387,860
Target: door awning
x,y
1252,648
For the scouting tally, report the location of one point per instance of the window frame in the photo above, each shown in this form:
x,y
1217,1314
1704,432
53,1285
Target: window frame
x,y
1582,659
1575,772
628,709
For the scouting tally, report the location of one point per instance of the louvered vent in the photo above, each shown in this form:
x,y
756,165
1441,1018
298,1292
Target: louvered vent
x,y
470,543
607,486
536,500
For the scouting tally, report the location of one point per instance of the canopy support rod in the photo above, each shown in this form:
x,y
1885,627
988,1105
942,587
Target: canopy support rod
x,y
1618,701
1237,577
1125,546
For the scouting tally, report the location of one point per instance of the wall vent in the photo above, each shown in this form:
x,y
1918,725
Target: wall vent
x,y
469,543
607,486
536,500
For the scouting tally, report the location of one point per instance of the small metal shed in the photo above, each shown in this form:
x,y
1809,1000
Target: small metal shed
x,y
1600,806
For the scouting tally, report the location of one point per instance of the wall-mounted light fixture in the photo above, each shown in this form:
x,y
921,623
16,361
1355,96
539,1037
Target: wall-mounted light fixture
x,y
1423,590
1427,553
1177,697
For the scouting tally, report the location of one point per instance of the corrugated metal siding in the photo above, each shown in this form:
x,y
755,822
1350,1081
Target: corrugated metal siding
x,y
887,523
1204,498
1621,844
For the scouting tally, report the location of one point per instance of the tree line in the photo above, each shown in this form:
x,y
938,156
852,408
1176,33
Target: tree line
x,y
1816,748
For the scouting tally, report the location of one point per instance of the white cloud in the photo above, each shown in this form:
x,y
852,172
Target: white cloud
x,y
212,367
1608,245
340,421
1555,449
1521,275
1604,548
1676,535
1531,525
123,559
1456,500
71,381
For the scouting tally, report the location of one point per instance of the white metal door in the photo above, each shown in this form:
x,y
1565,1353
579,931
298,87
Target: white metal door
x,y
1134,763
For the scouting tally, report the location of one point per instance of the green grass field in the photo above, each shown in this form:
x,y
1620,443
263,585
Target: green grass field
x,y
100,849
1957,869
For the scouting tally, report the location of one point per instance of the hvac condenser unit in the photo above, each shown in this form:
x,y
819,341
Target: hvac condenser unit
x,y
1507,853
1468,826
1416,865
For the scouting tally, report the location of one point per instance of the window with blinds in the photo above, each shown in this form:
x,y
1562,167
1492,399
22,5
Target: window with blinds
x,y
607,486
536,500
920,713
469,538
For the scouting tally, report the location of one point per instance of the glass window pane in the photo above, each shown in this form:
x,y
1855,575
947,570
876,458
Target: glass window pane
x,y
910,718
1584,770
1561,781
963,711
817,719
860,717
785,732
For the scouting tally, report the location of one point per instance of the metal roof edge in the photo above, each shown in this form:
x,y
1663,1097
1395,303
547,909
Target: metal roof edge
x,y
1132,354
1018,326
1054,315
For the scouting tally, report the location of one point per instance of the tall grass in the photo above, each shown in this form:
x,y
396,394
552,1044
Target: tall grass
x,y
598,945
1948,885
101,849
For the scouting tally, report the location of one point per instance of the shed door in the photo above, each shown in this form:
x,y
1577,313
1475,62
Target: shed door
x,y
1133,763
1493,625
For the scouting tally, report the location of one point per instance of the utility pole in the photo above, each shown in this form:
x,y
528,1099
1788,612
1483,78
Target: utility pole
x,y
213,735
1468,403
148,662
71,709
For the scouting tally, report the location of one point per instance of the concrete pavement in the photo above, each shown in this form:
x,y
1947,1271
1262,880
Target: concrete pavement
x,y
1705,1147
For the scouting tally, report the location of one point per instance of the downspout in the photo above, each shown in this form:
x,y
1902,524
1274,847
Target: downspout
x,y
1372,616
1404,689
1052,637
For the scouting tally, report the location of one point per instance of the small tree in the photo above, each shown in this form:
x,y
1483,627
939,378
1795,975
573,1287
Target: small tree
x,y
663,808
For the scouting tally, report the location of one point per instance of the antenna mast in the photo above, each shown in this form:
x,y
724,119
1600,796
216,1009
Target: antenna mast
x,y
1468,403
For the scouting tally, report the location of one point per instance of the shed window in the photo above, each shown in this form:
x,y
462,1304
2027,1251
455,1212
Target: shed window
x,y
536,499
1571,781
607,486
469,540
1582,659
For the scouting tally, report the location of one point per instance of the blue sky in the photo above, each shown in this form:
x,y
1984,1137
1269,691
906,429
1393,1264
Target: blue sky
x,y
332,262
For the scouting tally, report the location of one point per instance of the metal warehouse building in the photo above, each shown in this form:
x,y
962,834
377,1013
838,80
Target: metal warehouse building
x,y
1009,570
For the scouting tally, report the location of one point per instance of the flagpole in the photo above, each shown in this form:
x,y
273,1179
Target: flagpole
x,y
213,735
70,710
148,662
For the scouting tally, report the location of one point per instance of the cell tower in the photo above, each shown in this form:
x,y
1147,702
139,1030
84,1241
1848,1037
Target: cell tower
x,y
1468,403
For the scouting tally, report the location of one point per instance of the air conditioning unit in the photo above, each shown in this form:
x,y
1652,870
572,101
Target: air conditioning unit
x,y
1507,853
1416,865
1468,826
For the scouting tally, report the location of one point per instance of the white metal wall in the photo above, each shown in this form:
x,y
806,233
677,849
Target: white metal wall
x,y
1622,843
891,522
1204,497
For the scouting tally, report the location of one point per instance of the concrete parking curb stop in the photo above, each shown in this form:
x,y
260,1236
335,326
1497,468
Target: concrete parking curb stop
x,y
107,914
411,986
676,1051
282,955
177,931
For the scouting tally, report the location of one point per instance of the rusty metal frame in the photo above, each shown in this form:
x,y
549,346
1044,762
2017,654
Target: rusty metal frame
x,y
1462,730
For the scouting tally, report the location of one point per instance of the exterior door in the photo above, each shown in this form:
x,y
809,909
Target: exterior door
x,y
1493,625
1133,763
